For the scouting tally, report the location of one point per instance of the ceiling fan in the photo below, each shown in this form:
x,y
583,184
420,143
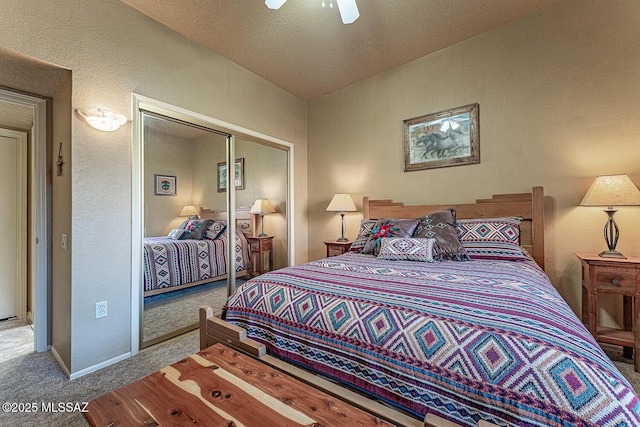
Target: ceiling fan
x,y
348,9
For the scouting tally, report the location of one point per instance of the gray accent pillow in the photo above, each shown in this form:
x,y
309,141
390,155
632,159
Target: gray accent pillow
x,y
195,229
366,225
388,227
442,227
186,221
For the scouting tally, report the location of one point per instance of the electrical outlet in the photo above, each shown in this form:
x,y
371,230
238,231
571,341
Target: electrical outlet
x,y
101,309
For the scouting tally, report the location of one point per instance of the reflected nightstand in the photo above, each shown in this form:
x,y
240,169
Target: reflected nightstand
x,y
335,248
261,249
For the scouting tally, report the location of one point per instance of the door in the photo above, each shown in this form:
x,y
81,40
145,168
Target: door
x,y
12,223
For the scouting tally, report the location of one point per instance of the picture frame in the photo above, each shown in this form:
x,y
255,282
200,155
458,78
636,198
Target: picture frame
x,y
442,139
164,185
222,175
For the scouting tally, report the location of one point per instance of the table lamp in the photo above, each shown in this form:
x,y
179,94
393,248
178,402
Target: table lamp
x,y
188,210
610,191
262,207
341,202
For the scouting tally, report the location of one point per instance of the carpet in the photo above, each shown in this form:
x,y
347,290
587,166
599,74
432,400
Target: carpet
x,y
171,311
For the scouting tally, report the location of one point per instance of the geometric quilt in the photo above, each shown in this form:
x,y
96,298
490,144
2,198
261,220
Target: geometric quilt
x,y
468,341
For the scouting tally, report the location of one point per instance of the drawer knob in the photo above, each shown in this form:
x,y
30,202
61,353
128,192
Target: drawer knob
x,y
615,282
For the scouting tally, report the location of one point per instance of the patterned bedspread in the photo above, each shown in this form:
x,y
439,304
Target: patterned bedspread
x,y
473,340
169,263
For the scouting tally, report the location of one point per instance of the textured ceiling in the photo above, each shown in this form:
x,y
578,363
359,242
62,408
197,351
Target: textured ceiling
x,y
306,50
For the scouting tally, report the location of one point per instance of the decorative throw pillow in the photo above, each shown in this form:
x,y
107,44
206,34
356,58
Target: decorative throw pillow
x,y
366,225
387,227
195,228
492,238
441,226
215,230
176,233
406,249
186,221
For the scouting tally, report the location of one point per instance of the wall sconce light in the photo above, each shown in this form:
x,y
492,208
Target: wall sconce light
x,y
102,119
262,207
342,202
610,191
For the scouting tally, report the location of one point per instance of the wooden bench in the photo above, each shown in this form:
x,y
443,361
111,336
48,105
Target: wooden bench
x,y
221,387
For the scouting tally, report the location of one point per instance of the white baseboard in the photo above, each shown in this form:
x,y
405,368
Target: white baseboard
x,y
100,365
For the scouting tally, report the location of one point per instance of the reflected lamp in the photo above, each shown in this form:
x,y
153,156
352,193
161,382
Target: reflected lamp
x,y
262,207
188,210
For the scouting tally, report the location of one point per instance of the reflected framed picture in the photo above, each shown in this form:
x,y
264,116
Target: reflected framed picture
x,y
164,185
223,175
445,138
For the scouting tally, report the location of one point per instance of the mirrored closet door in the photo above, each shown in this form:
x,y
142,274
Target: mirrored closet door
x,y
198,182
185,266
265,182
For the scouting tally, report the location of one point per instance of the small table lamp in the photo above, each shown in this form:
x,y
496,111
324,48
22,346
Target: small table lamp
x,y
188,210
262,207
610,191
341,202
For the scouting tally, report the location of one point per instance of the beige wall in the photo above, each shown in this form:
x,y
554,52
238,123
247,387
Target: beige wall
x,y
113,51
61,259
166,155
558,94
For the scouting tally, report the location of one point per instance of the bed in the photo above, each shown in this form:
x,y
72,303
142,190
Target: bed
x,y
171,264
485,341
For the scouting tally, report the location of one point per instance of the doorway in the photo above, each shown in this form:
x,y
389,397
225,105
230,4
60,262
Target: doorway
x,y
13,224
32,297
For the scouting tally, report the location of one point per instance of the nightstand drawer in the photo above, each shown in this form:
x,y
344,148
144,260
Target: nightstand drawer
x,y
611,279
255,246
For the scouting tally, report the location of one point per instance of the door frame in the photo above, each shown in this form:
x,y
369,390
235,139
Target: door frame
x,y
38,247
21,208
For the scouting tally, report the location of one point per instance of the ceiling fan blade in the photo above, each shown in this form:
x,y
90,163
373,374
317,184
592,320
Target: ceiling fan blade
x,y
274,4
348,11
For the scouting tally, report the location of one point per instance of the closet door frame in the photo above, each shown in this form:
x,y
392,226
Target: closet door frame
x,y
139,104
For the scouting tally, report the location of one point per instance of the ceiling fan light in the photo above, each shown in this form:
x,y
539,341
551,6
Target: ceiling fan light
x,y
274,4
348,11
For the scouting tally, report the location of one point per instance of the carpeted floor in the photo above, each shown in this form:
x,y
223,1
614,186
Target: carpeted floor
x,y
37,378
175,310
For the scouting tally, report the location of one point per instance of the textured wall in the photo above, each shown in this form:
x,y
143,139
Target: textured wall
x,y
113,51
558,94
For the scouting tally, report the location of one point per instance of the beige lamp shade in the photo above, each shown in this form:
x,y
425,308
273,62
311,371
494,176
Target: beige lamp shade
x,y
612,190
341,202
261,207
188,210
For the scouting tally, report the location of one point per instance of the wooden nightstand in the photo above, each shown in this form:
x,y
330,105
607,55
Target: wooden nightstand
x,y
335,248
613,276
261,249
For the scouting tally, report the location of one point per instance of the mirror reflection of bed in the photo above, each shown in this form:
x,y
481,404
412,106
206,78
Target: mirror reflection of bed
x,y
185,221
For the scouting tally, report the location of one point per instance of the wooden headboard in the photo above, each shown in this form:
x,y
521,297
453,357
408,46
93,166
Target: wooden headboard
x,y
528,206
245,221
